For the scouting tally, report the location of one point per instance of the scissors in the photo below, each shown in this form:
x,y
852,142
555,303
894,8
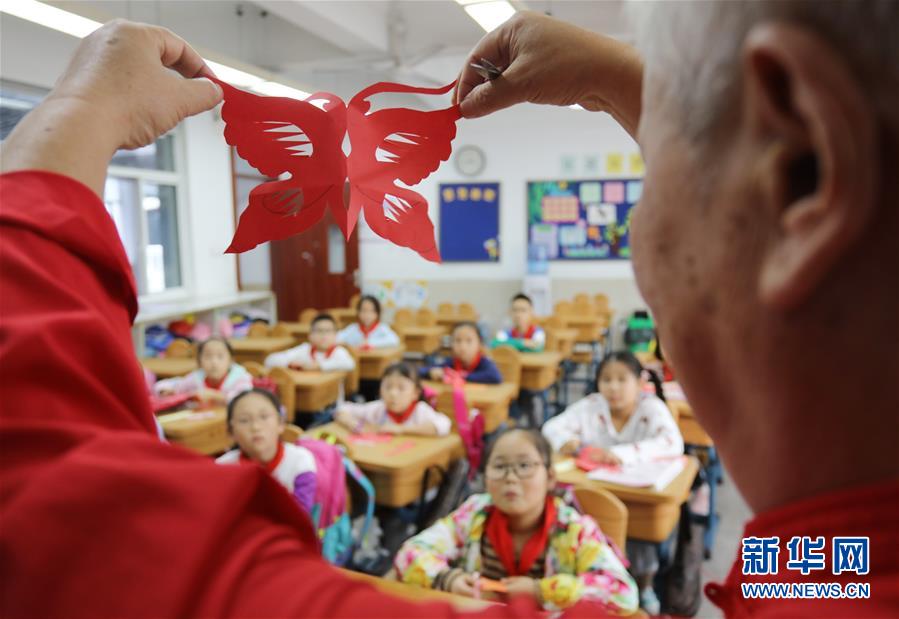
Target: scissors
x,y
486,69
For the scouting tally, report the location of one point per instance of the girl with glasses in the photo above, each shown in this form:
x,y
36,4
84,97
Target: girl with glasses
x,y
521,535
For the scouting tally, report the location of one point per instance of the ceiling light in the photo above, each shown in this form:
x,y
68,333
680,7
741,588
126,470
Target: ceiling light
x,y
489,14
50,16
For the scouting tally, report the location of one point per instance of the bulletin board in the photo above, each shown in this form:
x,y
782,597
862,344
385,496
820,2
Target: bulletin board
x,y
469,222
583,220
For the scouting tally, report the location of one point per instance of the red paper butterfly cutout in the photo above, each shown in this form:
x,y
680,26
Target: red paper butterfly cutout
x,y
304,139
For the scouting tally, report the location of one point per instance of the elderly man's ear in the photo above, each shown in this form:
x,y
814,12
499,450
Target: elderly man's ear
x,y
813,123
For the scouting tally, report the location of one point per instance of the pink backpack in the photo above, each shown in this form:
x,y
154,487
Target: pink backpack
x,y
471,429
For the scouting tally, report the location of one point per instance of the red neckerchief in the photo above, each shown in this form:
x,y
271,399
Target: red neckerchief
x,y
465,371
400,418
528,335
268,466
217,385
497,531
367,332
327,352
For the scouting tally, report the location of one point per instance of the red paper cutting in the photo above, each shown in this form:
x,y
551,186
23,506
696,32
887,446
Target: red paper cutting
x,y
300,142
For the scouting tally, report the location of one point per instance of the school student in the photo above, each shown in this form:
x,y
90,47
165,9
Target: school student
x,y
218,379
525,334
321,352
467,359
399,411
256,422
619,421
368,331
521,535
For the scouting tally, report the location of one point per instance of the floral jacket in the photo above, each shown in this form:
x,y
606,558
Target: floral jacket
x,y
580,565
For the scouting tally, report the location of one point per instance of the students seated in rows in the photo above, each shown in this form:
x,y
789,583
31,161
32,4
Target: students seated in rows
x,y
520,534
467,359
256,421
218,379
525,334
400,410
368,331
321,352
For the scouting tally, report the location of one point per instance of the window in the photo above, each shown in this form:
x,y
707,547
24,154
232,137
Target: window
x,y
141,194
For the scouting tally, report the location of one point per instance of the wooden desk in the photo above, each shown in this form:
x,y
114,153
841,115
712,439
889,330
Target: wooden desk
x,y
565,339
492,400
315,390
652,514
258,348
203,431
299,331
693,433
539,369
419,339
373,361
589,328
449,321
168,367
394,471
345,316
415,593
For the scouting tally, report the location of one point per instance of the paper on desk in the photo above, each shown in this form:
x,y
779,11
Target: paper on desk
x,y
300,142
370,438
402,447
655,474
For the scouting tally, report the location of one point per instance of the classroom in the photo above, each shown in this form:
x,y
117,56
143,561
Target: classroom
x,y
533,307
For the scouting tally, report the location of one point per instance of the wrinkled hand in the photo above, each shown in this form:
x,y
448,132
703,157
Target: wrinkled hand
x,y
548,61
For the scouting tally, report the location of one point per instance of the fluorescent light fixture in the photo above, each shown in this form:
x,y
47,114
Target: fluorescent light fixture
x,y
275,89
50,16
489,14
78,26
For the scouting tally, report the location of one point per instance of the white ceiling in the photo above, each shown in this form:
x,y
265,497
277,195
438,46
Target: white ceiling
x,y
341,45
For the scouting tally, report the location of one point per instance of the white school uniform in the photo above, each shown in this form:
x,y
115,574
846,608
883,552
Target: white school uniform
x,y
381,336
649,433
375,413
340,358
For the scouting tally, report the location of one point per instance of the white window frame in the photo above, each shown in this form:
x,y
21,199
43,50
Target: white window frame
x,y
177,179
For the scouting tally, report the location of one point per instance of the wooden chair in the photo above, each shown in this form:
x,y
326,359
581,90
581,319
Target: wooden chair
x,y
581,299
354,301
180,349
446,309
256,369
601,301
258,329
287,391
563,308
607,510
508,361
279,330
291,433
467,311
553,322
351,382
307,315
403,318
425,317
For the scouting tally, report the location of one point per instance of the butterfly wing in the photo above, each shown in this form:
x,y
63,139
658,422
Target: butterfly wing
x,y
297,142
394,145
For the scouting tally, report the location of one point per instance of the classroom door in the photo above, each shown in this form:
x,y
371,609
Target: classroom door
x,y
316,268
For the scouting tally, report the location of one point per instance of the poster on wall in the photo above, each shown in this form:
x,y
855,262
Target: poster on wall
x,y
469,222
583,220
412,294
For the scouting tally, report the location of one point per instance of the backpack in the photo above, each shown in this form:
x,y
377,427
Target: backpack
x,y
469,423
329,508
682,592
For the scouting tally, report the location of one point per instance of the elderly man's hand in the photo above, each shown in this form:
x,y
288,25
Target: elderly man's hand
x,y
545,60
120,90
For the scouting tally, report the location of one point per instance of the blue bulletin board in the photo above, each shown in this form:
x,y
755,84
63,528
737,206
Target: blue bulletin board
x,y
583,220
469,222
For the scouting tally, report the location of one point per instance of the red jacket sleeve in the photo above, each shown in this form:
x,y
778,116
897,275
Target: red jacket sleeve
x,y
97,517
